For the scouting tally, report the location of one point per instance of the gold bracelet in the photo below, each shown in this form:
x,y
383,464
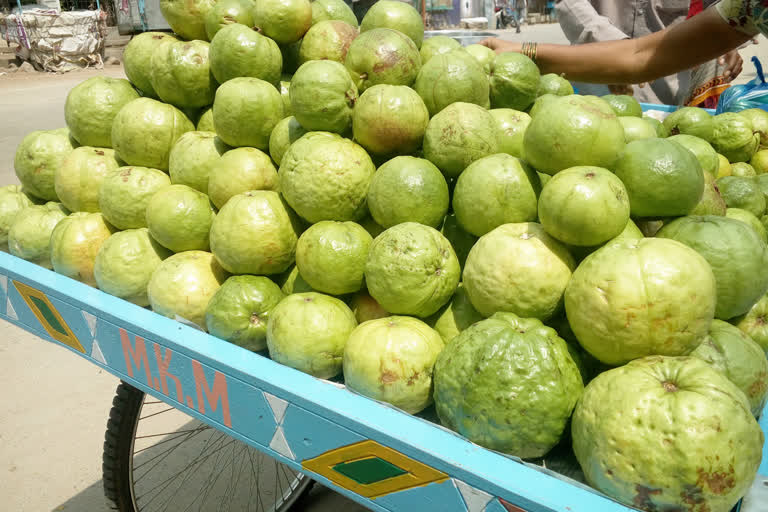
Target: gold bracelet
x,y
529,49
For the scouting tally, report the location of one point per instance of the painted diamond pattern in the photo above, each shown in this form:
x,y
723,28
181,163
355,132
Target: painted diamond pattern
x,y
91,321
475,499
279,443
97,354
9,311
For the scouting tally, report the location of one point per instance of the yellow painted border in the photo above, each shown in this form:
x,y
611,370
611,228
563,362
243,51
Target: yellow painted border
x,y
69,339
417,475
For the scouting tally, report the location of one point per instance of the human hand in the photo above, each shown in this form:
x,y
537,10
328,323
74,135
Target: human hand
x,y
732,63
623,88
501,46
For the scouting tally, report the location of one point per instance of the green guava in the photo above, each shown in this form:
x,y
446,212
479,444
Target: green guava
x,y
749,219
285,21
228,12
12,201
755,323
661,130
331,256
29,236
735,354
455,316
327,40
391,360
240,170
239,311
512,125
91,108
584,206
662,177
724,167
182,285
461,241
145,130
630,232
508,384
742,192
78,179
736,254
382,56
179,218
518,268
411,270
484,56
514,81
667,433
743,170
125,193
408,189
285,94
702,150
322,96
733,137
181,74
389,119
552,83
323,10
690,121
192,158
125,263
460,134
187,17
75,242
137,59
38,157
759,161
762,184
240,51
205,123
285,133
711,202
294,283
495,190
635,298
395,15
759,119
545,99
437,45
366,308
325,177
255,233
572,130
450,78
245,112
309,331
636,128
624,105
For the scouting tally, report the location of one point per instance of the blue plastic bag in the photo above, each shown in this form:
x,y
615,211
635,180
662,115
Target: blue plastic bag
x,y
753,94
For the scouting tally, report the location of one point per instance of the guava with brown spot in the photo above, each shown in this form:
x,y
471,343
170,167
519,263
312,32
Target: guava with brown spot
x,y
137,58
240,51
382,56
667,433
78,179
125,193
75,242
285,21
755,323
181,74
323,10
327,40
394,15
228,12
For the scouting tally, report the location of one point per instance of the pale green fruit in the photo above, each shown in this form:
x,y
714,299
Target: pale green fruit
x,y
552,83
636,128
240,170
690,121
382,56
38,157
228,12
455,316
79,178
702,150
187,17
437,45
92,106
323,10
29,236
398,16
245,112
181,74
192,158
125,193
285,133
514,81
75,242
322,96
755,323
137,58
285,21
452,77
180,217
511,125
12,201
482,54
239,51
327,40
748,219
733,137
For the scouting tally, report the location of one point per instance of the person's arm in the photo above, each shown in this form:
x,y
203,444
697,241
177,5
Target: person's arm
x,y
695,41
581,23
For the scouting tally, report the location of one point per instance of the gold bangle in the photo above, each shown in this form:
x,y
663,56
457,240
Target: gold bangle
x,y
529,49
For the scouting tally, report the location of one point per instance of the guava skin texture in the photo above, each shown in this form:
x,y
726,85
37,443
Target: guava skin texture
x,y
285,21
624,105
324,10
635,298
455,316
187,17
411,270
238,171
508,384
755,323
435,46
702,150
514,81
309,331
227,12
382,56
690,121
180,217
192,158
125,263
245,112
37,158
449,78
75,242
322,96
29,237
285,133
12,201
181,74
391,360
327,40
512,125
397,16
125,194
78,180
743,192
734,137
137,58
239,311
91,108
239,51
667,433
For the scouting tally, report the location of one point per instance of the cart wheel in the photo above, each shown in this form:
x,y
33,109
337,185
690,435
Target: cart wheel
x,y
158,458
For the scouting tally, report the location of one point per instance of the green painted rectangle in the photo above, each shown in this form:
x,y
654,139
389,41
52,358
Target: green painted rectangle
x,y
369,471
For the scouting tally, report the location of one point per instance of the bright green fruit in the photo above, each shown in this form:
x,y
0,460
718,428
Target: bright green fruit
x,y
663,178
514,81
238,312
294,283
125,263
743,192
382,56
702,150
91,108
552,83
397,16
137,59
624,105
661,432
484,55
181,74
636,128
192,158
755,323
245,112
12,201
733,137
457,136
742,170
228,12
630,232
322,96
29,236
690,121
179,218
239,51
408,189
512,125
748,219
759,161
187,17
584,206
325,177
711,202
145,130
323,10
125,193
308,331
285,21
255,233
495,190
437,45
38,157
661,130
455,316
327,40
759,119
331,256
449,78
285,133
509,384
391,359
75,242
78,180
365,307
411,270
736,254
240,170
390,119
518,268
205,123
183,285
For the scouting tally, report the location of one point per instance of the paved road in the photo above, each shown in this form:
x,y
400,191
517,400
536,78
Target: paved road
x,y
55,404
